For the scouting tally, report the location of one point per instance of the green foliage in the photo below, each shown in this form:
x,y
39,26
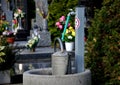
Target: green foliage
x,y
7,54
3,25
57,8
2,53
8,58
103,45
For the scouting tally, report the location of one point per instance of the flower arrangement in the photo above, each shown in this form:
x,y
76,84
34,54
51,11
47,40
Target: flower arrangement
x,y
70,32
16,22
18,14
69,35
32,43
8,33
60,24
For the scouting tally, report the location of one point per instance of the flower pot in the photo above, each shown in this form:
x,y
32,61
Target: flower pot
x,y
69,46
10,40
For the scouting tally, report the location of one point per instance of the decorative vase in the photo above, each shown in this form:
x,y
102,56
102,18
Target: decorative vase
x,y
10,40
19,24
32,49
69,46
4,77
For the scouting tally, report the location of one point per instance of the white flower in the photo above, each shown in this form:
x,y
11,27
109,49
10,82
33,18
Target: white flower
x,y
70,37
37,9
32,42
36,38
4,33
16,15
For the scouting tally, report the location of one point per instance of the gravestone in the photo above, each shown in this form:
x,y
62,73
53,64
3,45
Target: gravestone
x,y
41,22
21,35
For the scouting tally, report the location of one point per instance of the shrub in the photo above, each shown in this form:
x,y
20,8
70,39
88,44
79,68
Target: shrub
x,y
8,54
103,45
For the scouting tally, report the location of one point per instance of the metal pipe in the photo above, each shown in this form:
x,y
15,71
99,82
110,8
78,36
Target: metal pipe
x,y
60,43
66,23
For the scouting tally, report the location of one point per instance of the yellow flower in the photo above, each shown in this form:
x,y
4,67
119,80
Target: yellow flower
x,y
70,28
73,33
70,34
94,39
67,31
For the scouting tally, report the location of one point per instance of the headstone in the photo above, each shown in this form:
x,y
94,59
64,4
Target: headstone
x,y
21,33
41,22
5,9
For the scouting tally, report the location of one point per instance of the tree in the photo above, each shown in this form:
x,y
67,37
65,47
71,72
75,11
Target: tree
x,y
103,44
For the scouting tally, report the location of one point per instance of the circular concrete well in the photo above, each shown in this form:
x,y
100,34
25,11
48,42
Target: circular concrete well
x,y
44,77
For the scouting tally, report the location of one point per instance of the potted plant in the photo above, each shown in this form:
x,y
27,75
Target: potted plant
x,y
60,26
7,60
69,38
18,15
10,36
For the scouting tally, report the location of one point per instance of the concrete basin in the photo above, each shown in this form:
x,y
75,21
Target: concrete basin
x,y
44,77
